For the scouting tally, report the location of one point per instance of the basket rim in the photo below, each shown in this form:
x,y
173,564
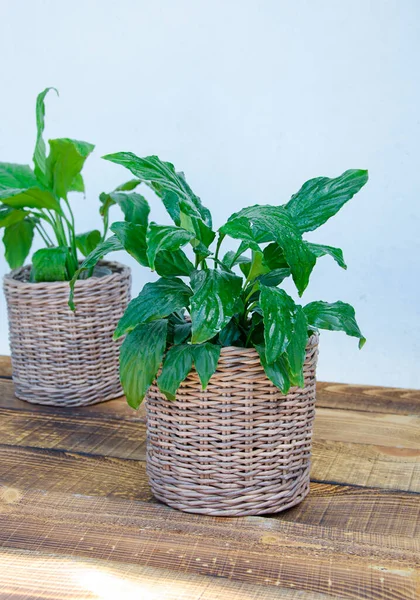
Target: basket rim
x,y
119,270
225,351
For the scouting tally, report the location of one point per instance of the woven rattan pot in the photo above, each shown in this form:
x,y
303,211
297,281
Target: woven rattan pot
x,y
238,448
60,357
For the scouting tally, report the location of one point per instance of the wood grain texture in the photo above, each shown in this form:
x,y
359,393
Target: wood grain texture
x,y
252,550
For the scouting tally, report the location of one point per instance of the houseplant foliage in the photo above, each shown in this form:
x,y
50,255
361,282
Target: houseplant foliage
x,y
207,300
35,200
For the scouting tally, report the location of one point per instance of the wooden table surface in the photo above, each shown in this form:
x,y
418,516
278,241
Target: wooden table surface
x,y
78,520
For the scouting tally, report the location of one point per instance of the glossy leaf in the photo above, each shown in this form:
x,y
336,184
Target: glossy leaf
x,y
16,177
39,156
274,277
278,310
296,348
181,332
206,356
213,302
29,198
337,316
322,197
274,256
277,371
164,237
141,355
64,163
176,366
321,250
112,244
173,263
231,334
87,242
134,206
49,264
156,301
133,239
9,216
17,241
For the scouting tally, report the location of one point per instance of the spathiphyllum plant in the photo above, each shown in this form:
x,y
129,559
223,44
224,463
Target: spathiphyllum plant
x,y
205,300
36,201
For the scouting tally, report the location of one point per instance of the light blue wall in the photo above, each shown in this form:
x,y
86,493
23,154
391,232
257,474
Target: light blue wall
x,y
250,99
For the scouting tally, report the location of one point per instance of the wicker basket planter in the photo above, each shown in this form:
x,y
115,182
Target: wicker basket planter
x,y
238,448
59,357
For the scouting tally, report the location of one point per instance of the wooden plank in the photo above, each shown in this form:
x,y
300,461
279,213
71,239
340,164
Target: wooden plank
x,y
356,509
253,550
30,575
368,398
5,366
402,431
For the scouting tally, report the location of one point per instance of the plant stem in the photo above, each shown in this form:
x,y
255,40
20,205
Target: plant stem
x,y
219,243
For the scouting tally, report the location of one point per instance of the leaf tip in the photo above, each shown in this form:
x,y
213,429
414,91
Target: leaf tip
x,y
362,342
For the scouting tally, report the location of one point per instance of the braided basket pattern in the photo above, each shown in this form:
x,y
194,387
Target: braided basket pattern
x,y
238,448
59,357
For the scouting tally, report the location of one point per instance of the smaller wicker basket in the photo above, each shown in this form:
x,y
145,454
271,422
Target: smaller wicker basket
x,y
59,357
238,448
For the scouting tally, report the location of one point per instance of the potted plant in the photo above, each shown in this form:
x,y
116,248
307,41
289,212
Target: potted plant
x,y
225,356
58,357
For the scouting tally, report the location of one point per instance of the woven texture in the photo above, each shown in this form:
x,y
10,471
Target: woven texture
x,y
60,357
238,448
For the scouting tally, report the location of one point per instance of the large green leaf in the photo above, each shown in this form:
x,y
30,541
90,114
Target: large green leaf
x,y
206,356
191,220
17,240
64,163
49,264
141,355
156,300
296,348
164,237
274,256
174,262
9,216
176,366
279,314
133,239
29,198
258,224
322,197
213,303
274,277
39,156
277,372
112,244
16,177
163,179
135,207
87,242
321,250
337,316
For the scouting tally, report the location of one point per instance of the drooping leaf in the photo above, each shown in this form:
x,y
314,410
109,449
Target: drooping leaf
x,y
164,237
274,277
322,197
39,156
133,239
173,262
112,244
64,163
273,223
337,316
163,178
191,219
49,264
206,356
296,348
9,216
157,300
176,366
182,332
16,177
29,198
87,242
321,250
17,239
274,256
232,258
141,355
135,207
279,313
213,302
277,371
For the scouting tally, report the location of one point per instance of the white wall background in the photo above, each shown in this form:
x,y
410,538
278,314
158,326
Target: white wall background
x,y
250,99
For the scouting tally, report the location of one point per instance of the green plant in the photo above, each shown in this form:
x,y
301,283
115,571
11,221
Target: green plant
x,y
230,300
36,200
